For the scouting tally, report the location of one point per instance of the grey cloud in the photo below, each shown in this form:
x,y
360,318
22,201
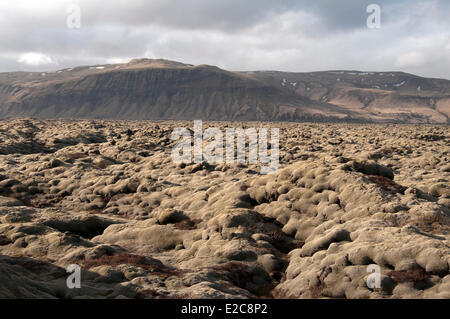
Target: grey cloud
x,y
291,35
233,15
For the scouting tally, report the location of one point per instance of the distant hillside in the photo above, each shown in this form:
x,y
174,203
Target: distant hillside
x,y
378,96
161,89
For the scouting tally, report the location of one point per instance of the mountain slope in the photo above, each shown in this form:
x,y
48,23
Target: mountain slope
x,y
378,96
161,89
155,89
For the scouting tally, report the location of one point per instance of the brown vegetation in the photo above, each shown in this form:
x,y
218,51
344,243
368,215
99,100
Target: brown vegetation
x,y
413,276
387,184
151,265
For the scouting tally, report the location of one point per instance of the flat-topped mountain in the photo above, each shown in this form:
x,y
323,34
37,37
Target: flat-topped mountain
x,y
161,89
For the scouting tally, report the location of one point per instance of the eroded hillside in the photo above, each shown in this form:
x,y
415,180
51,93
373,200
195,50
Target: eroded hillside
x,y
167,90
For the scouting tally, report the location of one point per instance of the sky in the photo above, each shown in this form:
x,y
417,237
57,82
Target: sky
x,y
285,35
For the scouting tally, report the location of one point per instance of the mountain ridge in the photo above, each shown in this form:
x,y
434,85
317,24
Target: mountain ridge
x,y
158,89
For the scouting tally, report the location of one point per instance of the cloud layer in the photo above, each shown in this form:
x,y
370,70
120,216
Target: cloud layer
x,y
289,35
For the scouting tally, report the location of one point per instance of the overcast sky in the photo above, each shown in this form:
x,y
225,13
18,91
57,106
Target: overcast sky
x,y
287,35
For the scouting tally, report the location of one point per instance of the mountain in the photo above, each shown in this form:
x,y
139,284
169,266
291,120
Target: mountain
x,y
376,96
161,89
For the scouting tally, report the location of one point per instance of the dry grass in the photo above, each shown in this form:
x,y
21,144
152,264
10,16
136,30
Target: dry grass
x,y
387,184
76,155
316,291
432,223
414,276
440,219
187,224
149,264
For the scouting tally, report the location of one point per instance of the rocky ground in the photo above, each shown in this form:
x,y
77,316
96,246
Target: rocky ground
x,y
106,195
